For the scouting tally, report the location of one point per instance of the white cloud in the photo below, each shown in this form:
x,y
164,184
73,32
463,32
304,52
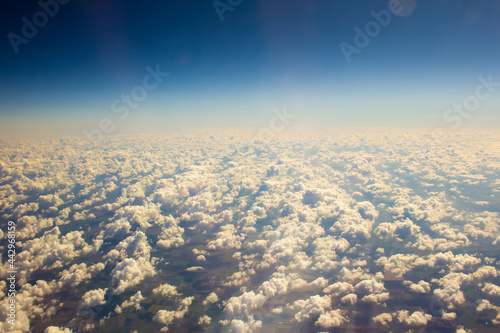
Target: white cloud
x,y
133,302
167,317
166,290
204,321
491,289
420,287
417,318
382,319
211,298
312,307
333,318
55,329
129,273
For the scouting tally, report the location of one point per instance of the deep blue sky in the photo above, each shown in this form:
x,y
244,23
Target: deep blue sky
x,y
264,55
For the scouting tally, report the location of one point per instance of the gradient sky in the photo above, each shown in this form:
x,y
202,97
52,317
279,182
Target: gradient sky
x,y
264,55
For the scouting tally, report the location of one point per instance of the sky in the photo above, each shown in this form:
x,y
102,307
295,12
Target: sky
x,y
231,66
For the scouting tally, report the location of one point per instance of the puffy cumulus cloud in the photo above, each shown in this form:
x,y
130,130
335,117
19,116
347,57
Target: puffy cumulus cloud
x,y
449,291
491,289
29,226
369,287
243,306
240,326
463,262
240,311
417,318
376,298
433,209
170,236
165,193
383,319
426,242
352,225
359,273
135,246
211,298
204,321
76,274
398,264
367,210
90,304
277,286
339,288
302,233
325,253
449,315
349,299
482,226
22,210
333,318
129,194
130,272
50,200
237,279
92,298
133,302
420,287
399,230
287,241
51,250
485,272
451,296
290,211
195,269
485,305
118,228
372,291
29,305
447,231
311,307
55,329
166,290
167,317
302,285
142,216
227,238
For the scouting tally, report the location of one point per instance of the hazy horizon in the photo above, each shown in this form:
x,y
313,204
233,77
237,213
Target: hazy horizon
x,y
331,63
